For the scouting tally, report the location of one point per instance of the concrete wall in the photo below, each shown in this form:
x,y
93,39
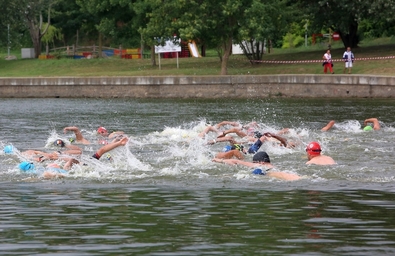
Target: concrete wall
x,y
339,86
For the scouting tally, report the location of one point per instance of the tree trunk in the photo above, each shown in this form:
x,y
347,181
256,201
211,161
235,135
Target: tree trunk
x,y
225,58
350,39
153,61
35,31
100,53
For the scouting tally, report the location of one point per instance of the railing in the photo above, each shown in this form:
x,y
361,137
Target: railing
x,y
80,52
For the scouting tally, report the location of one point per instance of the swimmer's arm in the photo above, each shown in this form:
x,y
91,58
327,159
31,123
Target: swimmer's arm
x,y
224,161
114,134
76,130
227,123
73,147
281,139
235,162
375,121
328,126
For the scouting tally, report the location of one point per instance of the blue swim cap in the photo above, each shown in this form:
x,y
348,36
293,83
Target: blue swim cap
x,y
258,172
227,148
26,166
8,149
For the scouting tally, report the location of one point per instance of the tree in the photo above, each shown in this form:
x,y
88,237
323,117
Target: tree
x,y
68,16
264,21
11,16
217,24
33,15
344,16
52,34
114,19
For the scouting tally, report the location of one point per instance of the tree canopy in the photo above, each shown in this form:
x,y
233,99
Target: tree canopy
x,y
212,24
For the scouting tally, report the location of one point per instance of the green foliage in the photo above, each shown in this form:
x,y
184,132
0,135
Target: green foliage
x,y
292,41
51,34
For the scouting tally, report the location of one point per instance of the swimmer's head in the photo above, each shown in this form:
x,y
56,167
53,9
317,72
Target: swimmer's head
x,y
26,166
313,149
261,157
9,149
102,131
59,143
368,128
238,147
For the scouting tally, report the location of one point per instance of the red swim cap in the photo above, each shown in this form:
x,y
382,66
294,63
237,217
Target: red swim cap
x,y
101,130
313,149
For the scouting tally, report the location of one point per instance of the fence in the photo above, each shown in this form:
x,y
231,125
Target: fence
x,y
88,52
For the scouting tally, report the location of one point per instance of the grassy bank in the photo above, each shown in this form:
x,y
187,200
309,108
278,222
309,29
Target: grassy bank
x,y
238,64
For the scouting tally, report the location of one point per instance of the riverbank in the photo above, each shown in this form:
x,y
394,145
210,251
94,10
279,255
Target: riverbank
x,y
246,86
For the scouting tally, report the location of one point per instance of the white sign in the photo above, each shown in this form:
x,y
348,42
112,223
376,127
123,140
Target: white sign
x,y
170,46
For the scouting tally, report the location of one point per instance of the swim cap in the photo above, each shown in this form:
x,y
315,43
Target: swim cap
x,y
368,128
59,143
102,130
26,166
238,147
109,157
8,149
258,172
261,157
227,148
313,149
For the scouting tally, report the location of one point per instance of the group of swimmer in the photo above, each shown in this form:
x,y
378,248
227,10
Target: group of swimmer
x,y
68,153
234,155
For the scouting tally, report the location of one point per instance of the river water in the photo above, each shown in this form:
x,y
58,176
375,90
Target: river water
x,y
162,195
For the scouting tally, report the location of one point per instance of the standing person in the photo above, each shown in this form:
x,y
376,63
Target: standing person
x,y
313,151
348,58
328,62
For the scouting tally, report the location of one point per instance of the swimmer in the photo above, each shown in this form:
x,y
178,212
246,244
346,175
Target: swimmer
x,y
111,135
216,128
369,125
51,171
313,151
78,135
261,162
66,150
232,151
374,121
104,149
269,137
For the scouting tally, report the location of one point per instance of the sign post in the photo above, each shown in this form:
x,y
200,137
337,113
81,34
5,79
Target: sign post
x,y
170,46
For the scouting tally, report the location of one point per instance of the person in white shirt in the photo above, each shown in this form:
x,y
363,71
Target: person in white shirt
x,y
348,58
328,62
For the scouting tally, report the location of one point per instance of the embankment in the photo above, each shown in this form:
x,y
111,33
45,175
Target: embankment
x,y
303,86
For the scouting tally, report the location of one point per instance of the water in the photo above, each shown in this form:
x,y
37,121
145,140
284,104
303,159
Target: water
x,y
162,195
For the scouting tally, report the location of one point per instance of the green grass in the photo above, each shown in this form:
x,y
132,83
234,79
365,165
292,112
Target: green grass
x,y
238,64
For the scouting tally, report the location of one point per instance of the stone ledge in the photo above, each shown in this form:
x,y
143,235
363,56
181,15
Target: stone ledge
x,y
250,86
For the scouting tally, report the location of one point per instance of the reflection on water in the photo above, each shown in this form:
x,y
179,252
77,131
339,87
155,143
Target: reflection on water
x,y
162,195
104,220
